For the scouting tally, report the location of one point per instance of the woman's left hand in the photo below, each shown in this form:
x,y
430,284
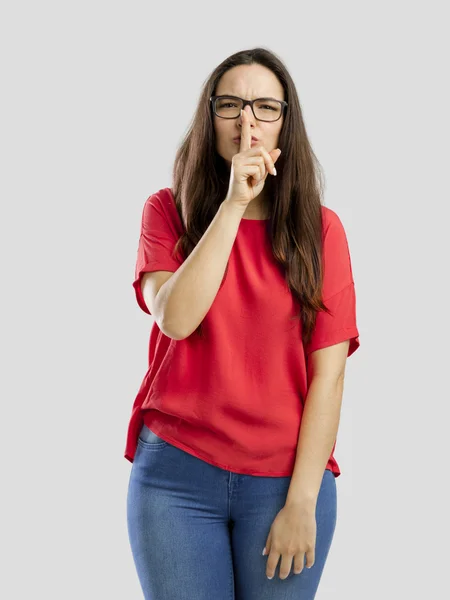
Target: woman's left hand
x,y
291,536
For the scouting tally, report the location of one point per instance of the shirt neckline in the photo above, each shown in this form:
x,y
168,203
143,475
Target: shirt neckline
x,y
255,220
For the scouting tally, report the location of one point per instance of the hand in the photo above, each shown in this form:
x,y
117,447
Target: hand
x,y
292,535
249,168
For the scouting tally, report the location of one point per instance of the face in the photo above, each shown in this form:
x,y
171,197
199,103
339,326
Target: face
x,y
248,82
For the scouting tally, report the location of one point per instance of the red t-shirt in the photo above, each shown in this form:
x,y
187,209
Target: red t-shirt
x,y
235,398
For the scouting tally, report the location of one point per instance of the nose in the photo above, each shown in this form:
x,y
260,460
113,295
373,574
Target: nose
x,y
249,111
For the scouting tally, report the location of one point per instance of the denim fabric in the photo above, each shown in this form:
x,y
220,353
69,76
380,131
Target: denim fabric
x,y
197,531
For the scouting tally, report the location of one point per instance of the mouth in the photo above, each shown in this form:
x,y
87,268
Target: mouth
x,y
238,139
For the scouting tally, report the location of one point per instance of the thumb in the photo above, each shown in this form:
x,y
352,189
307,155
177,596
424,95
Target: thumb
x,y
275,154
266,550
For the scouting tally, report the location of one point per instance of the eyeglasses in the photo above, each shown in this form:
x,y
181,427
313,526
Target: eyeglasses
x,y
264,109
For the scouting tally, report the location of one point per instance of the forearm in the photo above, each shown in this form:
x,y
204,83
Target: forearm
x,y
318,431
187,296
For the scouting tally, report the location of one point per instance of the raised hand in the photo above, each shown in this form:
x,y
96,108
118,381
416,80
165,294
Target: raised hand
x,y
249,168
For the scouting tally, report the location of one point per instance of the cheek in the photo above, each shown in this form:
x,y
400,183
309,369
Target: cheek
x,y
276,137
222,136
222,129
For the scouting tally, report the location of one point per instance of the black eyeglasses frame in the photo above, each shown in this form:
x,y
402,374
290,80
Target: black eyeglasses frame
x,y
284,106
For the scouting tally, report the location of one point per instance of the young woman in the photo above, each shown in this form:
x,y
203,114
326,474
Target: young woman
x,y
249,280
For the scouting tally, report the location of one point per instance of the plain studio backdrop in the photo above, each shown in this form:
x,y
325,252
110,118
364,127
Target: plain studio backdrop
x,y
96,97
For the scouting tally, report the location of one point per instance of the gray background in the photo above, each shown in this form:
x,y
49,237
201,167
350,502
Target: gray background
x,y
91,118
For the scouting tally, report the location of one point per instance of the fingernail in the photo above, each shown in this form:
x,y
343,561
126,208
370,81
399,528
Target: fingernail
x,y
269,577
264,552
274,171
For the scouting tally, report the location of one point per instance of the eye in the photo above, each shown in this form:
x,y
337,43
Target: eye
x,y
224,104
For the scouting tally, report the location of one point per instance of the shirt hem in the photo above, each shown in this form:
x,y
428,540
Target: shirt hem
x,y
201,456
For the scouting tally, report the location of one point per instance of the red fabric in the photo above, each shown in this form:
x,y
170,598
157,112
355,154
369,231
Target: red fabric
x,y
235,398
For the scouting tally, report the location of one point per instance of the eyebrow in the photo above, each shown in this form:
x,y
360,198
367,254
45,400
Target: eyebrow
x,y
257,98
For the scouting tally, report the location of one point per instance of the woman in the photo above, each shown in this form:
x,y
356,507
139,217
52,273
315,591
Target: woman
x,y
249,280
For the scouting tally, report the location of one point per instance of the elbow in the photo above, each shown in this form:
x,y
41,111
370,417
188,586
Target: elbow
x,y
170,331
165,324
169,323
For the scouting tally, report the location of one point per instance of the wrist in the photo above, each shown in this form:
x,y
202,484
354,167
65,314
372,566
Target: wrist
x,y
231,208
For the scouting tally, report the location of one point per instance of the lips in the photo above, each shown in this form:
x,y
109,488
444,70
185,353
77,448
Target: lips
x,y
238,137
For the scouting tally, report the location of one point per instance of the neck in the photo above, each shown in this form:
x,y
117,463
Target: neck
x,y
260,205
257,209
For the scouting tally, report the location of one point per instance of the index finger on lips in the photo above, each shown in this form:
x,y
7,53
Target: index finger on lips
x,y
246,134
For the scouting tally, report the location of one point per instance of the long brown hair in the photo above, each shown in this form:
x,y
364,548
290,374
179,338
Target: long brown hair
x,y
201,180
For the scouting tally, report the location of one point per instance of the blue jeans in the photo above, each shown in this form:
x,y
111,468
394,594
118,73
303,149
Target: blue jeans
x,y
197,531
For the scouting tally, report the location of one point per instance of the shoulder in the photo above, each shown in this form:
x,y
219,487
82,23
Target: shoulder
x,y
330,219
332,228
162,199
163,203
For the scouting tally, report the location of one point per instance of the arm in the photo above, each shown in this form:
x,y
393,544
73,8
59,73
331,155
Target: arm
x,y
319,425
185,298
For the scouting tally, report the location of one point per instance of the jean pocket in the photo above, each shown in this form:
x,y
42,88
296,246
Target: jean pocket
x,y
148,438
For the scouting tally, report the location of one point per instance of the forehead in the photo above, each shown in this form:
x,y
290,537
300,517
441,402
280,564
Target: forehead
x,y
250,82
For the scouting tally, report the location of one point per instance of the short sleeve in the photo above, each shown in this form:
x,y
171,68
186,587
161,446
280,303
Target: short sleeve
x,y
338,291
156,242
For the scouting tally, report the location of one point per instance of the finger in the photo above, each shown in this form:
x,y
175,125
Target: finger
x,y
286,565
257,161
268,161
299,562
246,134
262,172
272,562
310,558
254,172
